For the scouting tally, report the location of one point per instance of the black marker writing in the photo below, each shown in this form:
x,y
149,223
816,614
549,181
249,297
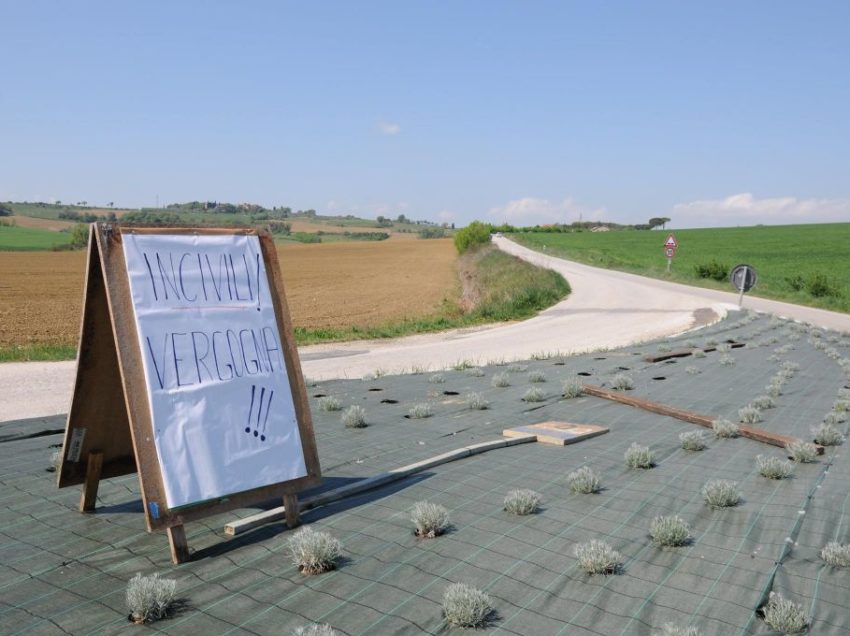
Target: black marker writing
x,y
260,422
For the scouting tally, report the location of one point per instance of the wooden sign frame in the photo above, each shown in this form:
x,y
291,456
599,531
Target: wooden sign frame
x,y
109,430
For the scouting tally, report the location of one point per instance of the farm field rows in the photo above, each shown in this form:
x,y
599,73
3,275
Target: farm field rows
x,y
791,260
333,285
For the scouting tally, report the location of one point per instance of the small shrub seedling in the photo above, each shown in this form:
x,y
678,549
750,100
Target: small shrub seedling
x,y
316,629
149,598
536,376
430,519
638,456
314,551
476,402
692,440
669,629
572,388
500,380
622,382
329,403
802,452
724,348
584,481
669,531
534,395
517,368
597,557
836,554
835,417
727,361
784,615
725,428
692,370
749,415
773,467
420,411
55,461
664,347
437,378
763,402
721,493
354,417
841,405
522,502
827,435
466,606
698,353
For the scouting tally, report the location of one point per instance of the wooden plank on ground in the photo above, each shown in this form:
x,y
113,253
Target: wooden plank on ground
x,y
745,430
322,499
557,433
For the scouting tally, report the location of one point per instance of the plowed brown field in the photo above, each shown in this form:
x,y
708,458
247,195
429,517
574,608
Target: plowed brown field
x,y
327,285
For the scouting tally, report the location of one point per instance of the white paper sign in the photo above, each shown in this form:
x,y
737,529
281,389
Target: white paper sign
x,y
223,415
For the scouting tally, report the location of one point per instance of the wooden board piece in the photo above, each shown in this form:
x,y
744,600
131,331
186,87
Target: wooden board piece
x,y
557,433
275,514
97,418
750,432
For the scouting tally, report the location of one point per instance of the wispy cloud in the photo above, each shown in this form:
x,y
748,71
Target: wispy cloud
x,y
531,211
389,128
745,209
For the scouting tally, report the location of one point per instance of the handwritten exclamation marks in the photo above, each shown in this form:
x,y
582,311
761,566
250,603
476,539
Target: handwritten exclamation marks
x,y
259,422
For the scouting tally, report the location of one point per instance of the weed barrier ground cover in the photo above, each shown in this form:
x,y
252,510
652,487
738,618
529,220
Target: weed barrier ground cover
x,y
63,572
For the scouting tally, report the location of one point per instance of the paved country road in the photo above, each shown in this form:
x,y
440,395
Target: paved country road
x,y
606,309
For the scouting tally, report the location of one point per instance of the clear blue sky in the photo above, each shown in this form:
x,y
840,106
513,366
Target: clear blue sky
x,y
712,113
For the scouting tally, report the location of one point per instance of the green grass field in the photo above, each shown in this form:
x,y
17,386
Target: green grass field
x,y
792,261
27,239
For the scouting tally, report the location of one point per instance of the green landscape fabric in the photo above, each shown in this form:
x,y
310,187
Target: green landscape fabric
x,y
62,572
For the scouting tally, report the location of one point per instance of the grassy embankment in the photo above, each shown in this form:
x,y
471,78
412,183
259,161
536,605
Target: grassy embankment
x,y
496,287
803,264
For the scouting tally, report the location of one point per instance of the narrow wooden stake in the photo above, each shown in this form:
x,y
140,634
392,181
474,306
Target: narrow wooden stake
x,y
178,544
89,495
290,507
760,435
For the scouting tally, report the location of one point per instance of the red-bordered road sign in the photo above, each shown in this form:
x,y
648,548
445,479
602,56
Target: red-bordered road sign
x,y
671,242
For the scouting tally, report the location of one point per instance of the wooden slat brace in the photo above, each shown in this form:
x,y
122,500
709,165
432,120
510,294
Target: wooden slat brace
x,y
291,510
178,544
88,497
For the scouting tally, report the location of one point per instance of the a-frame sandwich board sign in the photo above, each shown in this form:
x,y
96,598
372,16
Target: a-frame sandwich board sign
x,y
187,373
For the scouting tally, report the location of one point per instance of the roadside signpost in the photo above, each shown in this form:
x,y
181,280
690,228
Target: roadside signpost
x,y
670,247
743,279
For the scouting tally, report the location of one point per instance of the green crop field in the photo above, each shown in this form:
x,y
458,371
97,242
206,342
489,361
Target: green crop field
x,y
26,239
804,264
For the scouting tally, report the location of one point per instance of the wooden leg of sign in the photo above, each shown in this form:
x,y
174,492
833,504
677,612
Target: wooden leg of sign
x,y
89,494
290,509
178,544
